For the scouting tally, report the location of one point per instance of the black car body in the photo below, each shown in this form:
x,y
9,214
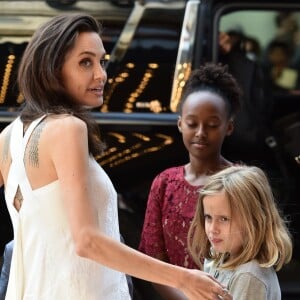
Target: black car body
x,y
153,46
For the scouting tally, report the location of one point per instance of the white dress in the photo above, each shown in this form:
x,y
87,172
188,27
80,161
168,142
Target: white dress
x,y
44,263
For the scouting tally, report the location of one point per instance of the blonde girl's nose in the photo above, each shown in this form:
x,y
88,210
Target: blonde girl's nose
x,y
214,226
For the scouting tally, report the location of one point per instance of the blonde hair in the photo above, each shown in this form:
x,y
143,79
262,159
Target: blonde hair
x,y
249,193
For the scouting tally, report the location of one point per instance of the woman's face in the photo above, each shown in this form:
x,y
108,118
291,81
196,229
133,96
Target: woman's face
x,y
83,72
204,124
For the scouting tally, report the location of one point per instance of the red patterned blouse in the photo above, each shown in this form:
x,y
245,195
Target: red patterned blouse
x,y
170,210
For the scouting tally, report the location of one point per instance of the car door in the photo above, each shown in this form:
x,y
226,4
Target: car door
x,y
267,130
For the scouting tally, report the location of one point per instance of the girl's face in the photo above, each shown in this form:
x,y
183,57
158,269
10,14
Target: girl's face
x,y
83,72
222,228
204,124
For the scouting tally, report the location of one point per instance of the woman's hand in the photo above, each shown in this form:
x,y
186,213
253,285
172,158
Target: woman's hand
x,y
200,285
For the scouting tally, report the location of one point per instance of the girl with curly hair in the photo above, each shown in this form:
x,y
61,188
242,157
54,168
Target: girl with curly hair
x,y
206,115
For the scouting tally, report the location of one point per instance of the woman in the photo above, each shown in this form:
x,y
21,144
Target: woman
x,y
62,204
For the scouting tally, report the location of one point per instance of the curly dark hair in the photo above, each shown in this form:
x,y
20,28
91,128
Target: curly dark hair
x,y
215,78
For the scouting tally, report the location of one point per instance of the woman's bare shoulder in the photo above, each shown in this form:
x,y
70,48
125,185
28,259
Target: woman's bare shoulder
x,y
65,119
65,124
61,133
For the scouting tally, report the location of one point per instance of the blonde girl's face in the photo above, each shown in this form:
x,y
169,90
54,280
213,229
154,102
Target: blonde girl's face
x,y
222,228
83,73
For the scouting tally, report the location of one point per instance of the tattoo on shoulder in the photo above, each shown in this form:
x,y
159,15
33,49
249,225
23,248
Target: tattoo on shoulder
x,y
6,144
33,145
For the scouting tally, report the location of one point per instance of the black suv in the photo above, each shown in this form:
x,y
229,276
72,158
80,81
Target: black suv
x,y
153,45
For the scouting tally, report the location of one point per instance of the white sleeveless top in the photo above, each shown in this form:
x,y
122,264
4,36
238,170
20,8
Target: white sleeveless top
x,y
44,263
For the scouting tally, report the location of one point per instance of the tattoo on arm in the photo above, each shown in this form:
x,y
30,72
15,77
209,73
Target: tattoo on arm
x,y
33,145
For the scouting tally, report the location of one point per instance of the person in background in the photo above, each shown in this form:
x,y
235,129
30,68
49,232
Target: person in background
x,y
254,116
281,77
252,48
238,229
206,117
62,204
287,31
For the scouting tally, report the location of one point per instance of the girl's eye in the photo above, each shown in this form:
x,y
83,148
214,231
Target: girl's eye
x,y
207,217
224,219
191,125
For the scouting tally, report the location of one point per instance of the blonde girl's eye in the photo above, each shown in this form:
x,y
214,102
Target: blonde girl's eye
x,y
207,217
224,219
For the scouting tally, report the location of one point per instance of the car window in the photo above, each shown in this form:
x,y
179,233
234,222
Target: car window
x,y
272,39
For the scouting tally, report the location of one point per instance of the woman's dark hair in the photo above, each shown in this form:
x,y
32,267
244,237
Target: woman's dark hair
x,y
215,78
39,76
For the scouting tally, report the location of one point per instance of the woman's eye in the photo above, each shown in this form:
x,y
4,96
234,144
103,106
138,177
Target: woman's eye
x,y
103,63
86,62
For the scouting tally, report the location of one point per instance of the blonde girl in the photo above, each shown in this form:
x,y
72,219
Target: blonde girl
x,y
239,232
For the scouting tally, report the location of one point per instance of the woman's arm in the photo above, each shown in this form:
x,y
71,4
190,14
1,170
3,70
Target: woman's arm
x,y
4,153
193,283
70,158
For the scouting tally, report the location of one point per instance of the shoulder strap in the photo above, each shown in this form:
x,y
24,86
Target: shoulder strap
x,y
17,148
17,141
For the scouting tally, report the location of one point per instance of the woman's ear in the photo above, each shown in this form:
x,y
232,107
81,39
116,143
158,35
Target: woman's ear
x,y
179,123
230,127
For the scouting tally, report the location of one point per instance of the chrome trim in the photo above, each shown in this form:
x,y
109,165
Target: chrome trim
x,y
185,52
165,119
127,34
132,23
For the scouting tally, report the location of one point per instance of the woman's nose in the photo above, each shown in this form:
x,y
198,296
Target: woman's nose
x,y
100,73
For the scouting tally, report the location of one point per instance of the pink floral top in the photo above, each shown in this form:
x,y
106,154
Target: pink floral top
x,y
170,210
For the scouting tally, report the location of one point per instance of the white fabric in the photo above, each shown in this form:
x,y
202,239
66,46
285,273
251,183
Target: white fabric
x,y
44,263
